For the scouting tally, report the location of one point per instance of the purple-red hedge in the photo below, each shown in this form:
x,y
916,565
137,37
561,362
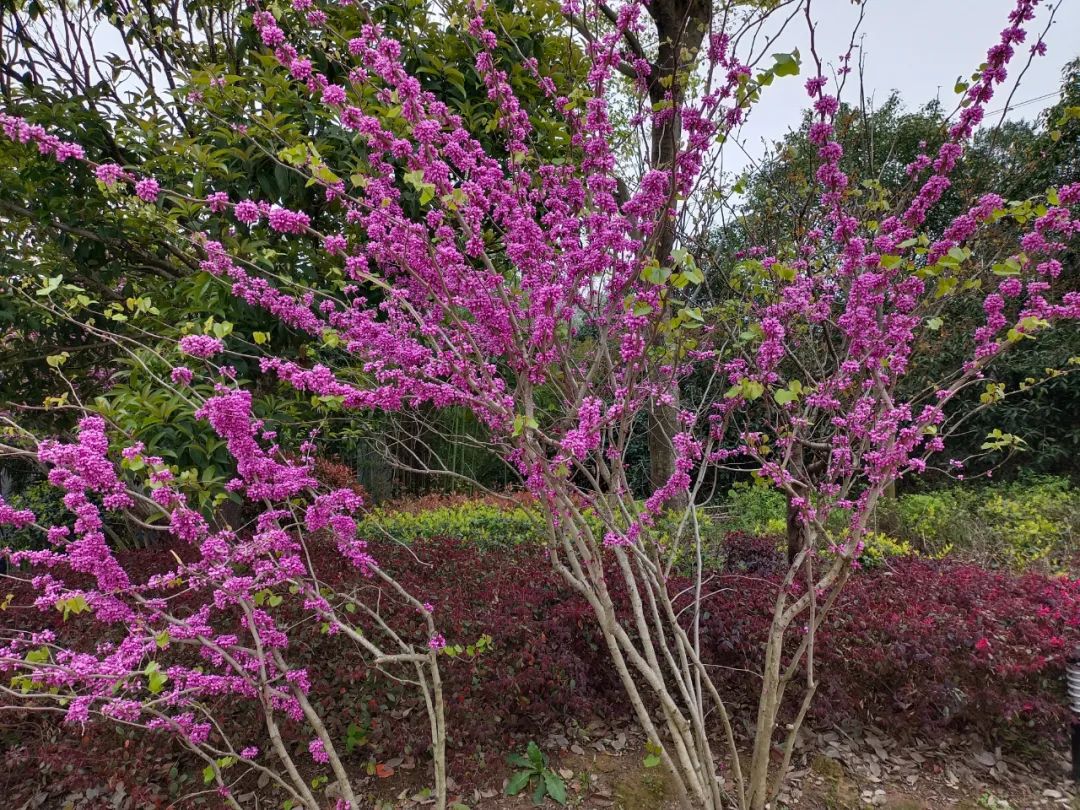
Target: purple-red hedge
x,y
914,645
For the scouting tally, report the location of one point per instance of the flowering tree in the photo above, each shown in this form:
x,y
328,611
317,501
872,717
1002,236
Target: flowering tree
x,y
176,642
549,297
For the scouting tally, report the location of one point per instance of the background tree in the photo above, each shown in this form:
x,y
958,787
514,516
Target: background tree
x,y
180,105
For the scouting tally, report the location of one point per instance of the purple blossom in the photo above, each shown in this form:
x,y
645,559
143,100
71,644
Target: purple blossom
x,y
181,375
318,751
109,174
204,346
247,212
147,189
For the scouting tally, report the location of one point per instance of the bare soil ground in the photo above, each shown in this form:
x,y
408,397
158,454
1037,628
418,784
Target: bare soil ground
x,y
835,769
604,767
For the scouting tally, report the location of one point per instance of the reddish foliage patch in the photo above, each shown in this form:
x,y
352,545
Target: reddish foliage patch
x,y
919,644
915,645
335,474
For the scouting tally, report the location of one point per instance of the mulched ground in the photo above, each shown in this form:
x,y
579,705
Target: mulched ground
x,y
847,768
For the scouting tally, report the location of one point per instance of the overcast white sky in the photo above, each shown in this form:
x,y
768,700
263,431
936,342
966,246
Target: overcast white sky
x,y
917,47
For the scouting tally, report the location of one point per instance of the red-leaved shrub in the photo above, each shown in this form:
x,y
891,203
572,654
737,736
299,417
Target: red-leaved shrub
x,y
913,645
919,643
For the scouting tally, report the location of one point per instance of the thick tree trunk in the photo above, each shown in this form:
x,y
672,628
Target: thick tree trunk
x,y
796,535
680,28
796,530
663,424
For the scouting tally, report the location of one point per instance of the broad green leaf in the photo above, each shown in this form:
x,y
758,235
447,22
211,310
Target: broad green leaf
x,y
540,792
72,605
536,756
787,64
655,274
155,678
556,787
518,783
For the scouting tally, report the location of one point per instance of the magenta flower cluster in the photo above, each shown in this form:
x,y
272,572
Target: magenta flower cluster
x,y
204,346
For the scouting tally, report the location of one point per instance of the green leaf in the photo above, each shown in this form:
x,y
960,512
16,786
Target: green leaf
x,y
655,274
536,756
540,792
521,422
1010,267
556,787
787,64
651,761
38,656
518,782
73,605
694,313
49,285
934,324
155,678
156,682
789,394
945,285
295,155
208,774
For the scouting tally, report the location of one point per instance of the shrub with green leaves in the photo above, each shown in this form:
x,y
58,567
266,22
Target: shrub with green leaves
x,y
535,774
1034,521
46,502
755,509
489,523
484,524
